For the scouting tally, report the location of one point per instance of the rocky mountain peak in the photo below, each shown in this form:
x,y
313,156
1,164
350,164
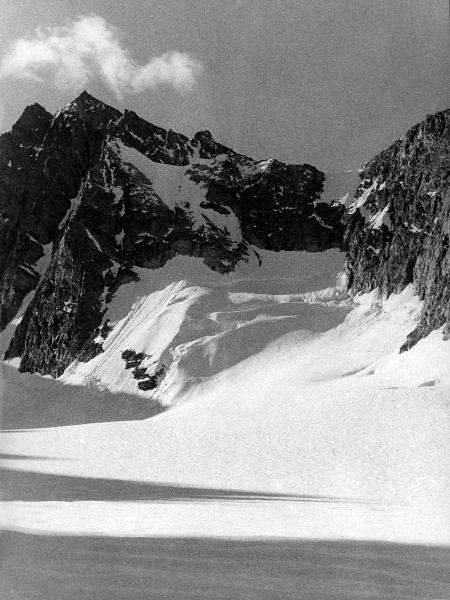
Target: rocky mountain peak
x,y
88,110
85,101
31,124
32,115
109,192
91,195
85,98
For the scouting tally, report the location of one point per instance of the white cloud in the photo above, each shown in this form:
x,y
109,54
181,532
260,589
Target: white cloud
x,y
88,49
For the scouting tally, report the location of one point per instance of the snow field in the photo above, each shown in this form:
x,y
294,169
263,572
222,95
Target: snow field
x,y
303,394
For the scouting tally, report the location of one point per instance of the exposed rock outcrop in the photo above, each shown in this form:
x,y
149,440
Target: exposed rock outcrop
x,y
398,226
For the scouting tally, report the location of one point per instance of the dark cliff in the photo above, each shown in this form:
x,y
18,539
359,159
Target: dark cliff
x,y
398,227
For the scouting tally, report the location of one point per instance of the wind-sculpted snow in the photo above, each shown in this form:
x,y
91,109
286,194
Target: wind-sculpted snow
x,y
287,399
330,431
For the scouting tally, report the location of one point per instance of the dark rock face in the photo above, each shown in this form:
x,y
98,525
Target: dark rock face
x,y
277,205
43,161
93,183
398,228
19,248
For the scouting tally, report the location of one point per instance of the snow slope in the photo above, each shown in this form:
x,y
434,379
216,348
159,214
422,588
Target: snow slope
x,y
196,328
276,388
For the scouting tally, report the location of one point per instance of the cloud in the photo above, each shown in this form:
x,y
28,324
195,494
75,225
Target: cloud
x,y
89,49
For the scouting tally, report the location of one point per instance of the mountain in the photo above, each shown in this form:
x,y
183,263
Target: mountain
x,y
98,207
398,227
110,192
264,304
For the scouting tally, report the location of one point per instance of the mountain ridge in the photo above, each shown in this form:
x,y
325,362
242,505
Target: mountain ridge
x,y
101,191
111,193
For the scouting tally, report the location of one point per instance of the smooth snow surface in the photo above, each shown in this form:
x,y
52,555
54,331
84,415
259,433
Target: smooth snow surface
x,y
278,386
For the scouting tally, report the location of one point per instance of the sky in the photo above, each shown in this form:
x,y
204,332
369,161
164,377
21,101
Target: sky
x,y
327,82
